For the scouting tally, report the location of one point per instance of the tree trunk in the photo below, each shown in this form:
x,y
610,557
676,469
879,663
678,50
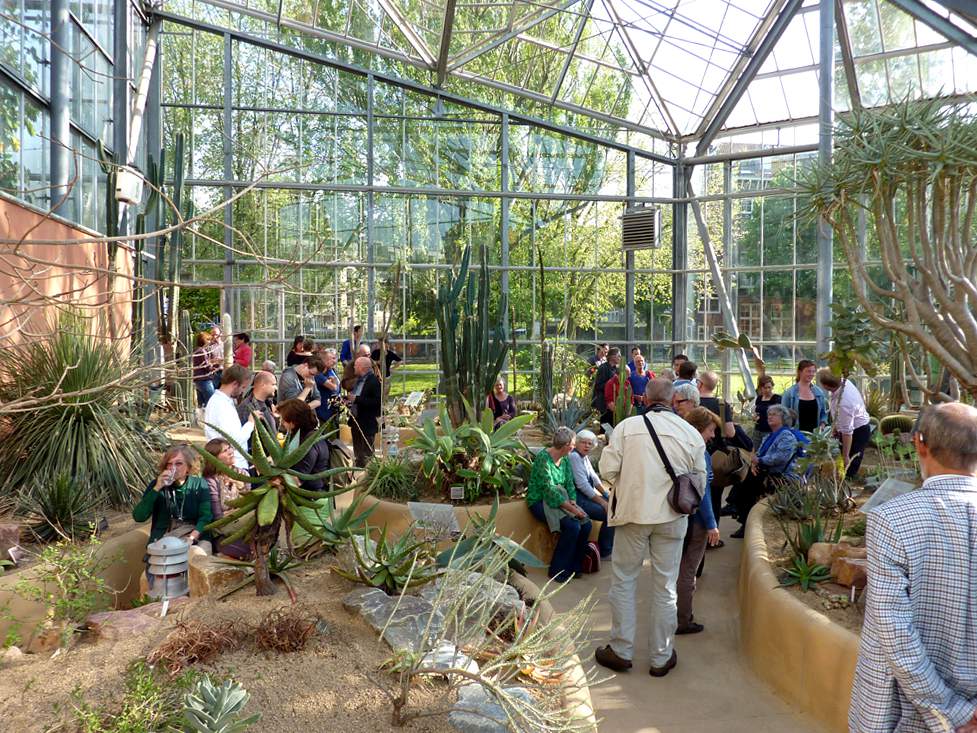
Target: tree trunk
x,y
264,540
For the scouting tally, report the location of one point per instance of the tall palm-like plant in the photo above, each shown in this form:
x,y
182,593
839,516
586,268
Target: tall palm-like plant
x,y
71,404
276,497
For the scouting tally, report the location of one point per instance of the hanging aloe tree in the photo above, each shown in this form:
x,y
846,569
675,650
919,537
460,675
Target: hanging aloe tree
x,y
473,351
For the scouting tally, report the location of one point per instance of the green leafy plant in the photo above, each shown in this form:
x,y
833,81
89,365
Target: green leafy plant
x,y
856,528
392,566
276,497
333,527
392,478
823,452
480,539
278,563
723,340
623,404
473,351
472,455
62,507
805,575
802,534
819,495
70,407
68,582
573,414
855,339
210,708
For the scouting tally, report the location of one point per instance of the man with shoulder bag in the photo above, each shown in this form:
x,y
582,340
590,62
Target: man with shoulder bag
x,y
656,463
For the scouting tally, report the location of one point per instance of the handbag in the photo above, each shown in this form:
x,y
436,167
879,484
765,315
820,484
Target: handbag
x,y
684,496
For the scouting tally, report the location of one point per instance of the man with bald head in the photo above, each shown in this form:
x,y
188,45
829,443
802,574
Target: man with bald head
x,y
364,407
917,665
349,368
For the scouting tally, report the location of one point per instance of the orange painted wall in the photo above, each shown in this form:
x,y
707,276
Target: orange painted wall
x,y
37,279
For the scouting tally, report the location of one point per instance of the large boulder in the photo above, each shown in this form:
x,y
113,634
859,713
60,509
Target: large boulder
x,y
208,574
476,711
9,537
851,572
825,553
404,618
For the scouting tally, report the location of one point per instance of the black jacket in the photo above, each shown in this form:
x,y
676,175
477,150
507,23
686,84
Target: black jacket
x,y
315,461
368,406
605,372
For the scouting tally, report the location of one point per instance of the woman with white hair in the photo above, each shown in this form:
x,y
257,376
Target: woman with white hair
x,y
592,495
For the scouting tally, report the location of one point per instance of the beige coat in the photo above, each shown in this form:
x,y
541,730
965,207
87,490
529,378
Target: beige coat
x,y
632,464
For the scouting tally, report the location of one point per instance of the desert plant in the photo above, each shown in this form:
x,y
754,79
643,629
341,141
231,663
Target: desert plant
x,y
911,167
802,501
62,507
276,497
68,582
823,451
333,527
573,414
876,402
285,629
4,564
802,534
392,566
623,404
68,408
278,563
805,575
855,340
899,421
392,478
856,528
210,708
472,455
479,539
723,340
472,350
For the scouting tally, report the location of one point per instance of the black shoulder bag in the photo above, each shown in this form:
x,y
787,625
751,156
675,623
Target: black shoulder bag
x,y
683,497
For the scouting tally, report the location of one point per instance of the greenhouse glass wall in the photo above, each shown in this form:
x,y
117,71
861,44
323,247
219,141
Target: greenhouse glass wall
x,y
363,145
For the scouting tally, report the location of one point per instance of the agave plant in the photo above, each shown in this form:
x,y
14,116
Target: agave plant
x,y
208,708
69,406
391,566
276,497
333,527
60,508
804,574
481,540
473,454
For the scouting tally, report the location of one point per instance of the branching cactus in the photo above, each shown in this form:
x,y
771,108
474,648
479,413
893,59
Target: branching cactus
x,y
277,496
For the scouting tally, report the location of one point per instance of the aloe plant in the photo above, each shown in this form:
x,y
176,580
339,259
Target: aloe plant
x,y
391,566
209,708
804,574
481,540
472,356
333,527
276,497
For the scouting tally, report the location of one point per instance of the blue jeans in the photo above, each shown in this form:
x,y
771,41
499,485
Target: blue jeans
x,y
605,540
205,390
570,548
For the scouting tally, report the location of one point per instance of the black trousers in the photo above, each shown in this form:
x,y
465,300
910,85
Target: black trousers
x,y
362,446
859,442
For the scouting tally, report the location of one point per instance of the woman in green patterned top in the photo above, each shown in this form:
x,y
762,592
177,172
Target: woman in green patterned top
x,y
550,496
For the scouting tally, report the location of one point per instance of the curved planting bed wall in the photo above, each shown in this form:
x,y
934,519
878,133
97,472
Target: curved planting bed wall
x,y
808,659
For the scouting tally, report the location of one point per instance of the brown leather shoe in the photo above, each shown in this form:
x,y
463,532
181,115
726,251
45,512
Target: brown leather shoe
x,y
607,657
666,668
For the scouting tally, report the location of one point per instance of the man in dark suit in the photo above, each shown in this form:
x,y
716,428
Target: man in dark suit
x,y
605,373
364,406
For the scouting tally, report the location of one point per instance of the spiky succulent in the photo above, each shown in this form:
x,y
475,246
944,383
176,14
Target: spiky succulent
x,y
391,566
209,708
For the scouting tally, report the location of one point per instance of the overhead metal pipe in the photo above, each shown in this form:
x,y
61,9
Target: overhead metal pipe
x,y
825,240
61,152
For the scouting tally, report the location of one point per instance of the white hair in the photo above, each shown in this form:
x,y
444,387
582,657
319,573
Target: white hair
x,y
587,435
268,366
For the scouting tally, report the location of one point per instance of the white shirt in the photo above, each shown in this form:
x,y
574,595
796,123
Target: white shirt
x,y
222,413
848,408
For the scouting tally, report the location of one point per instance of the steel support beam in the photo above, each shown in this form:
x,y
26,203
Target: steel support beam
x,y
446,28
739,88
227,292
153,269
505,205
61,153
719,285
680,262
825,275
847,57
938,23
371,273
405,27
423,89
629,263
584,16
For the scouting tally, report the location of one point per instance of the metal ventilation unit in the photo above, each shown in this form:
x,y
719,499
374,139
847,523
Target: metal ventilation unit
x,y
641,228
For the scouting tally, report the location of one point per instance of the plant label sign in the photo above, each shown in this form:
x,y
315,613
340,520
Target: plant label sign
x,y
457,493
437,519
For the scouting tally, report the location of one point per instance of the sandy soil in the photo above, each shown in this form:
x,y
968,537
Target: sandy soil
x,y
331,685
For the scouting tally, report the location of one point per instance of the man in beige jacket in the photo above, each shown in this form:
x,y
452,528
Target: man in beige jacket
x,y
645,523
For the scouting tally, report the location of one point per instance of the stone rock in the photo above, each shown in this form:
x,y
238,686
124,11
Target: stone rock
x,y
853,541
117,625
9,537
209,575
476,711
447,656
825,553
408,616
850,571
345,557
154,609
11,656
47,638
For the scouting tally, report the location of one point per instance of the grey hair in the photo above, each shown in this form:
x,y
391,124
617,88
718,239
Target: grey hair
x,y
659,392
268,366
688,392
949,430
563,437
587,435
785,415
330,351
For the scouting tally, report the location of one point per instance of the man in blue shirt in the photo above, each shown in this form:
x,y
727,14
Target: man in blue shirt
x,y
349,345
328,383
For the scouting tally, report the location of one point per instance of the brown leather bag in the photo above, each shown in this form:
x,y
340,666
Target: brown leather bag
x,y
684,496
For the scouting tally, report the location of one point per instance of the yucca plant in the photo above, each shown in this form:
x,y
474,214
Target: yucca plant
x,y
60,508
68,406
276,496
574,415
209,708
392,566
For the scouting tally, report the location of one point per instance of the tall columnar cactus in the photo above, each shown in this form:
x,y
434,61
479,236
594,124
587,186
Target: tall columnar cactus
x,y
472,350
